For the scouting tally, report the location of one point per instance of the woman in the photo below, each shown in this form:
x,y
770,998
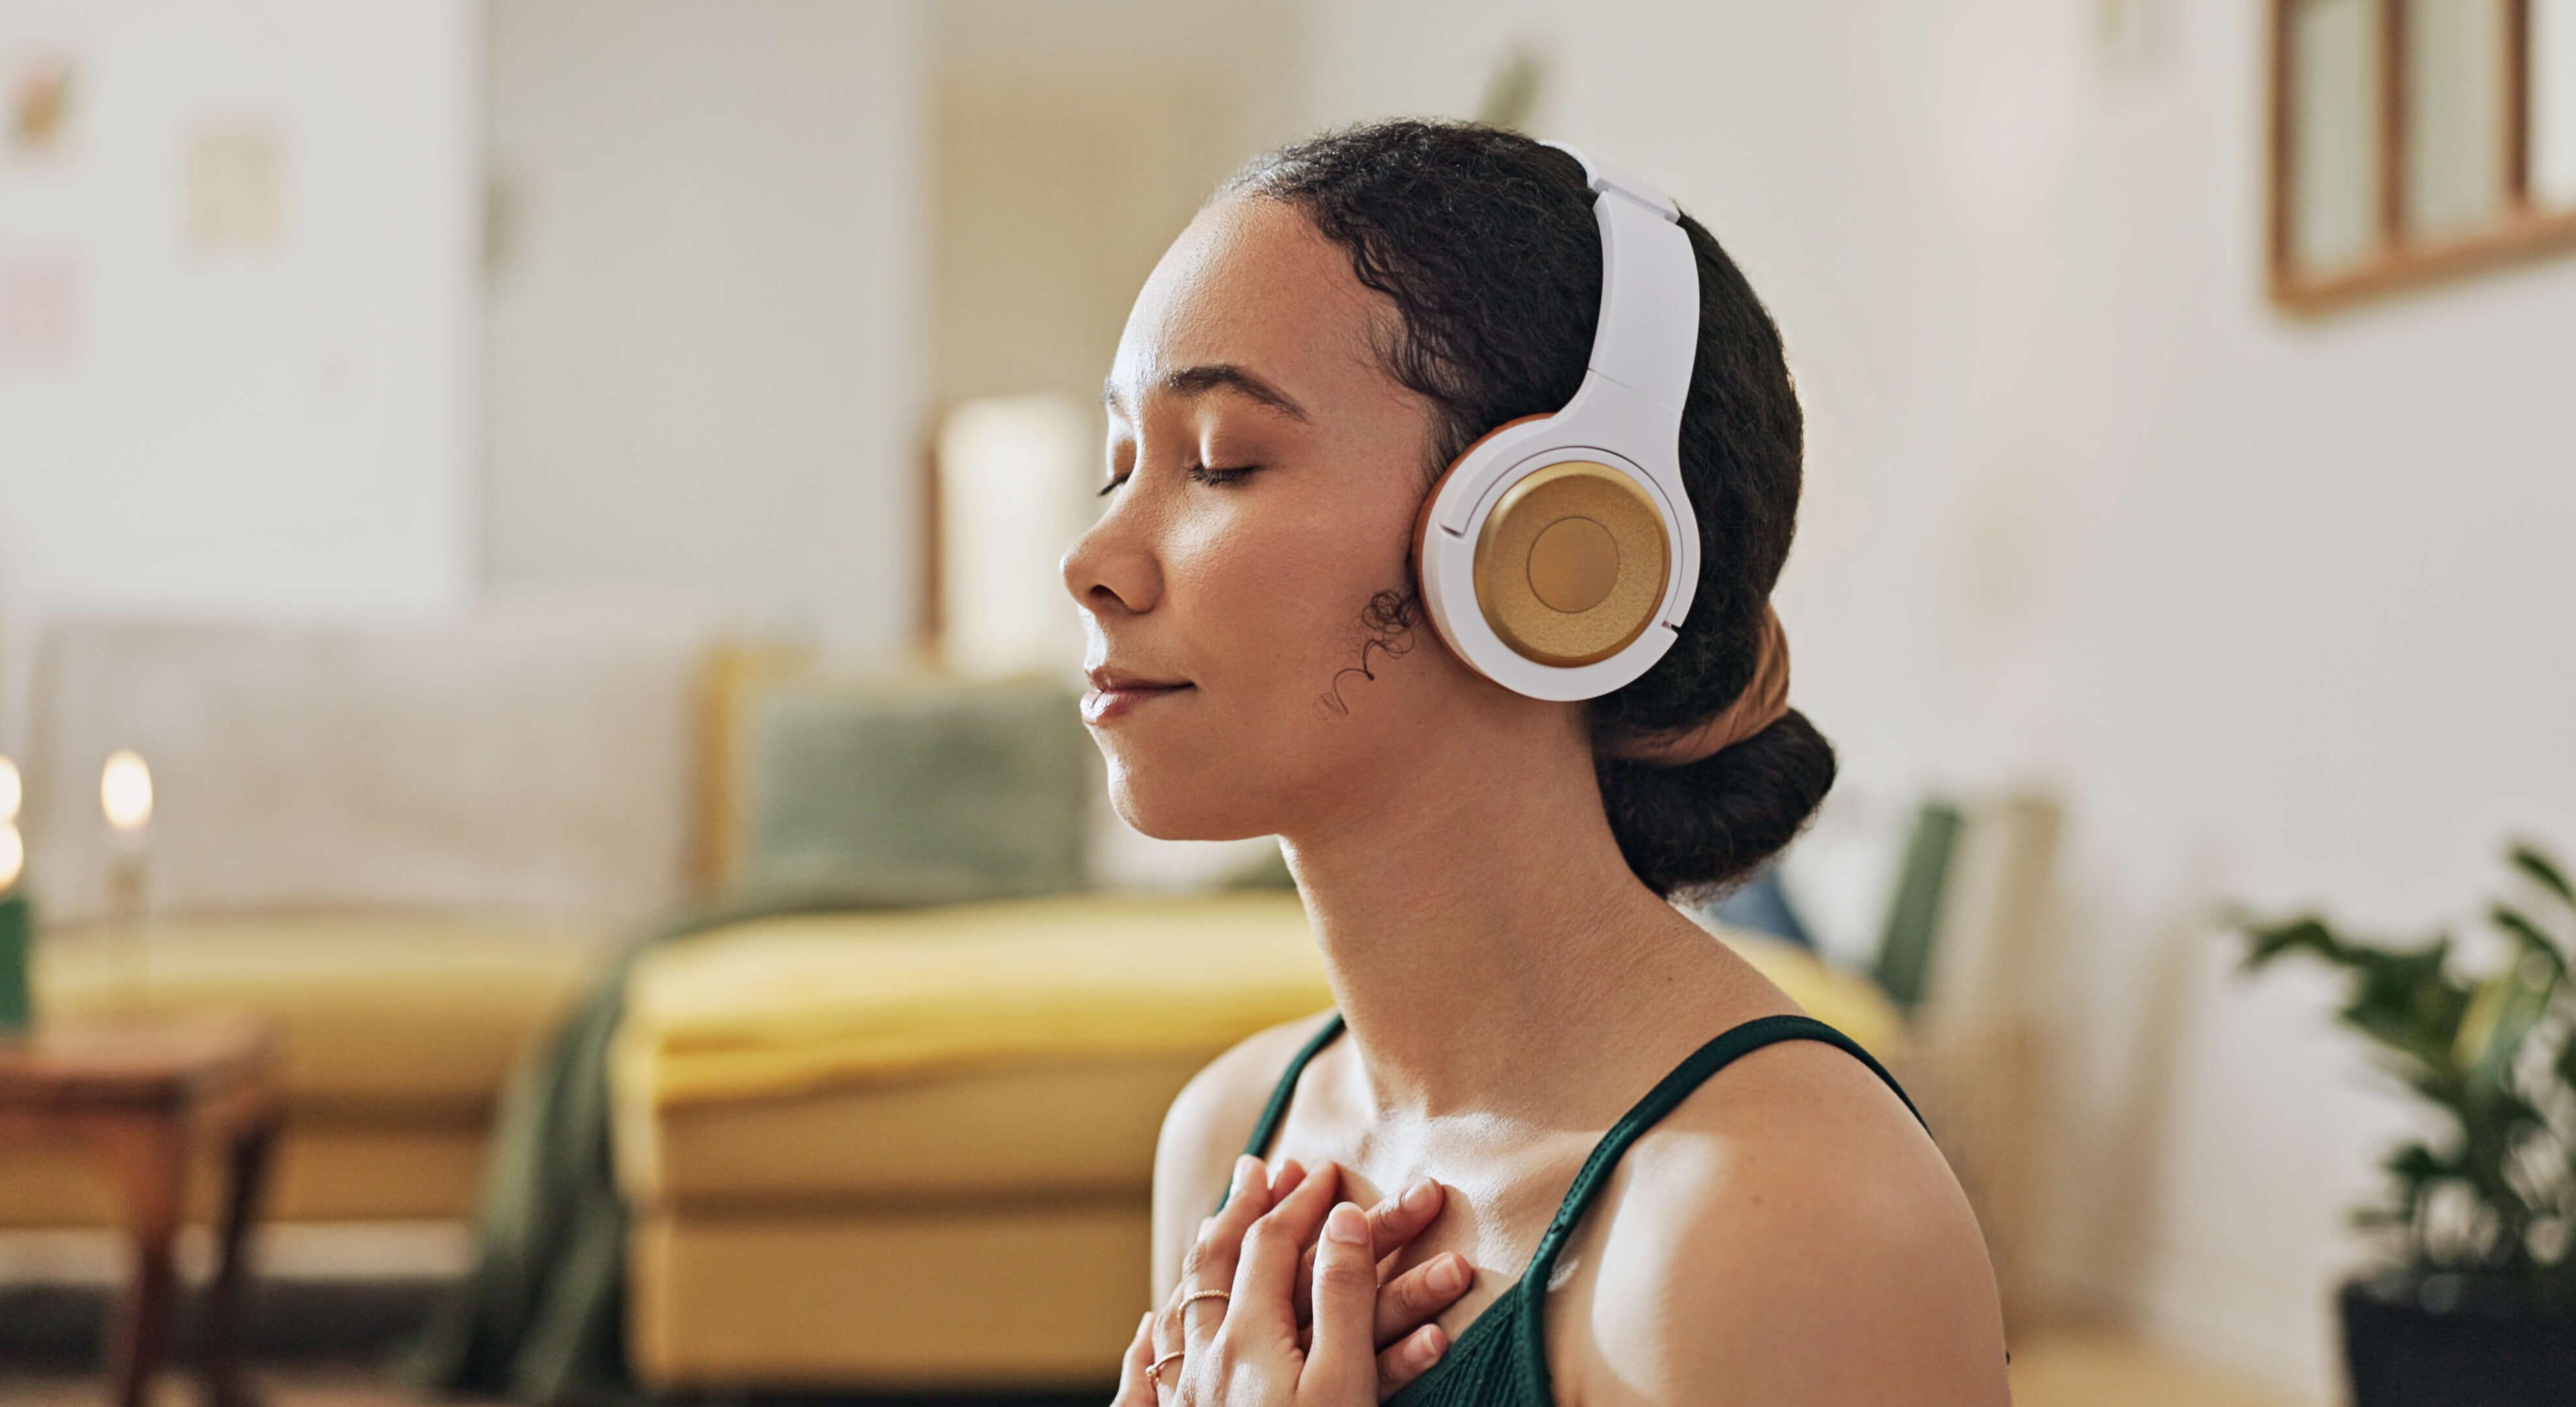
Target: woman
x,y
1525,1027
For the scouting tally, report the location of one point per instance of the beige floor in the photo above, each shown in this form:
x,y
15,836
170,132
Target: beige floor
x,y
2104,1367
2056,1368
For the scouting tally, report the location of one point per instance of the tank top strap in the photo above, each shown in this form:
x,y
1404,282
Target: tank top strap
x,y
1659,1101
1267,1127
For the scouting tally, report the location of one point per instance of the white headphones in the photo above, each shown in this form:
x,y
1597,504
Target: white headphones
x,y
1558,555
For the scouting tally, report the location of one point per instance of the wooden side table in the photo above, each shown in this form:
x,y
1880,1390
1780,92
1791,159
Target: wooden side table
x,y
146,1093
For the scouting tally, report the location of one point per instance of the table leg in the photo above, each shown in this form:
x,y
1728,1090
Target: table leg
x,y
221,1342
150,1157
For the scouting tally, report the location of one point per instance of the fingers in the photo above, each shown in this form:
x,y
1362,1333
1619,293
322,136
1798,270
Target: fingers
x,y
1420,1295
1210,1263
1396,1221
1393,1223
1342,1365
1265,1279
1285,1180
1134,1388
1400,1365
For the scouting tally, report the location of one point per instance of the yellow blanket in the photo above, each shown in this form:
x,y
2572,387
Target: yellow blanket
x,y
776,1006
782,1005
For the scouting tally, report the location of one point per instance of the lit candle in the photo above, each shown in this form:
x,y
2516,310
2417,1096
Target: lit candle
x,y
125,797
13,906
125,794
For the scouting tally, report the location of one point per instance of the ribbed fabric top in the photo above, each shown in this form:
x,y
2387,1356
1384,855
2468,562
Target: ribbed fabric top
x,y
1500,1358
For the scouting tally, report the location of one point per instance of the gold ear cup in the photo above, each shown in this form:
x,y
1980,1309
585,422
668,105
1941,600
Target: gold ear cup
x,y
1571,564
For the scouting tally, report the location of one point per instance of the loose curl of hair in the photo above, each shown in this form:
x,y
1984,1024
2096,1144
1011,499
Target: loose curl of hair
x,y
1486,244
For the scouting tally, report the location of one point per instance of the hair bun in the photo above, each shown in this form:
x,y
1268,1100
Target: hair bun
x,y
1698,826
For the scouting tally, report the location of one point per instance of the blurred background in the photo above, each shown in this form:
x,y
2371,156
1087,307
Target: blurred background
x,y
487,483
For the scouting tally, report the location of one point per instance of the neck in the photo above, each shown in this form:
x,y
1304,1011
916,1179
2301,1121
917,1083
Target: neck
x,y
1487,915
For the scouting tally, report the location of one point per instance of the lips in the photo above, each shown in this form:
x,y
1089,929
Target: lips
x,y
1116,694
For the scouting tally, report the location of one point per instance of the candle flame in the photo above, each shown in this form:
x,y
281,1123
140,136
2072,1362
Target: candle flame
x,y
10,792
13,856
125,791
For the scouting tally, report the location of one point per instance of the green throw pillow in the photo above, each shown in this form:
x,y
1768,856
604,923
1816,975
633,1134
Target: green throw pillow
x,y
948,790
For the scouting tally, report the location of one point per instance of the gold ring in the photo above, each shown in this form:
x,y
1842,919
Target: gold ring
x,y
1154,1370
1196,1295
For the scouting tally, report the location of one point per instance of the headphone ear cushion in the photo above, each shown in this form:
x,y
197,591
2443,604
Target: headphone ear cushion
x,y
1422,514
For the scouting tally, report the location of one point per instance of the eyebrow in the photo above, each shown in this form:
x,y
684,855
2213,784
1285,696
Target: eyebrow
x,y
1195,381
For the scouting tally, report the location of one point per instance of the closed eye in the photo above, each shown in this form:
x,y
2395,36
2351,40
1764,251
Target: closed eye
x,y
1198,472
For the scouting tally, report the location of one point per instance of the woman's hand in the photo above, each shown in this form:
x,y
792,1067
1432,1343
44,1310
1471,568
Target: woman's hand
x,y
1418,1296
1406,1304
1247,1348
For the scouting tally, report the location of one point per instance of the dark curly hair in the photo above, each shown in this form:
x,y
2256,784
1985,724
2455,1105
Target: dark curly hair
x,y
1486,243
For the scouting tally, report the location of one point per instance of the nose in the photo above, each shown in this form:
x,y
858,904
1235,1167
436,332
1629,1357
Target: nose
x,y
1112,569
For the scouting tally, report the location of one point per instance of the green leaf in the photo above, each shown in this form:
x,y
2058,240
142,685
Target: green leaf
x,y
2529,934
2416,1163
2531,862
2499,1019
2408,1001
2478,1025
2396,1026
2271,940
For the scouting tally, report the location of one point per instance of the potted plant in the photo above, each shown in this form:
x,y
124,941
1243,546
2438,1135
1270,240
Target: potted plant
x,y
2475,1305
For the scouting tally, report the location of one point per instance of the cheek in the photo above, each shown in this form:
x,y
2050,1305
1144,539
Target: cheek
x,y
1276,604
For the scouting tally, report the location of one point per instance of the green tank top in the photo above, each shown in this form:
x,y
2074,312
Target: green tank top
x,y
1500,1358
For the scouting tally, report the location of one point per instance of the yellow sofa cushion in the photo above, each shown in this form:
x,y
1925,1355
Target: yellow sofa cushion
x,y
1045,1126
1028,1294
793,1004
382,1016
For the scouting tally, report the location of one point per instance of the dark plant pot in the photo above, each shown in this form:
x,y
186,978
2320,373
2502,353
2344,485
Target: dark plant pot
x,y
2451,1341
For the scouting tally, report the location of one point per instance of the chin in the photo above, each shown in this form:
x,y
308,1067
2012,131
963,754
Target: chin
x,y
1170,806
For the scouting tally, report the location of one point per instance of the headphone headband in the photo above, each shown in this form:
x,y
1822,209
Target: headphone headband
x,y
1648,335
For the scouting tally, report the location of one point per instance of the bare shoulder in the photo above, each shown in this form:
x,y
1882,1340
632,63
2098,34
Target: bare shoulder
x,y
1787,1234
1204,1132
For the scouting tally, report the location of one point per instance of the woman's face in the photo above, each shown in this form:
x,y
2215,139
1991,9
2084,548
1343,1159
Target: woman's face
x,y
1249,350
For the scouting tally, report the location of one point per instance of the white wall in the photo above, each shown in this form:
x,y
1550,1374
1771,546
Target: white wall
x,y
707,336
1061,176
279,429
2279,605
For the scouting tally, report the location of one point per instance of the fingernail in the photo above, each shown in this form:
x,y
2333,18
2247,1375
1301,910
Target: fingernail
x,y
1434,1343
1449,1276
1417,1198
1288,1168
1204,1223
1244,1167
1347,1225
